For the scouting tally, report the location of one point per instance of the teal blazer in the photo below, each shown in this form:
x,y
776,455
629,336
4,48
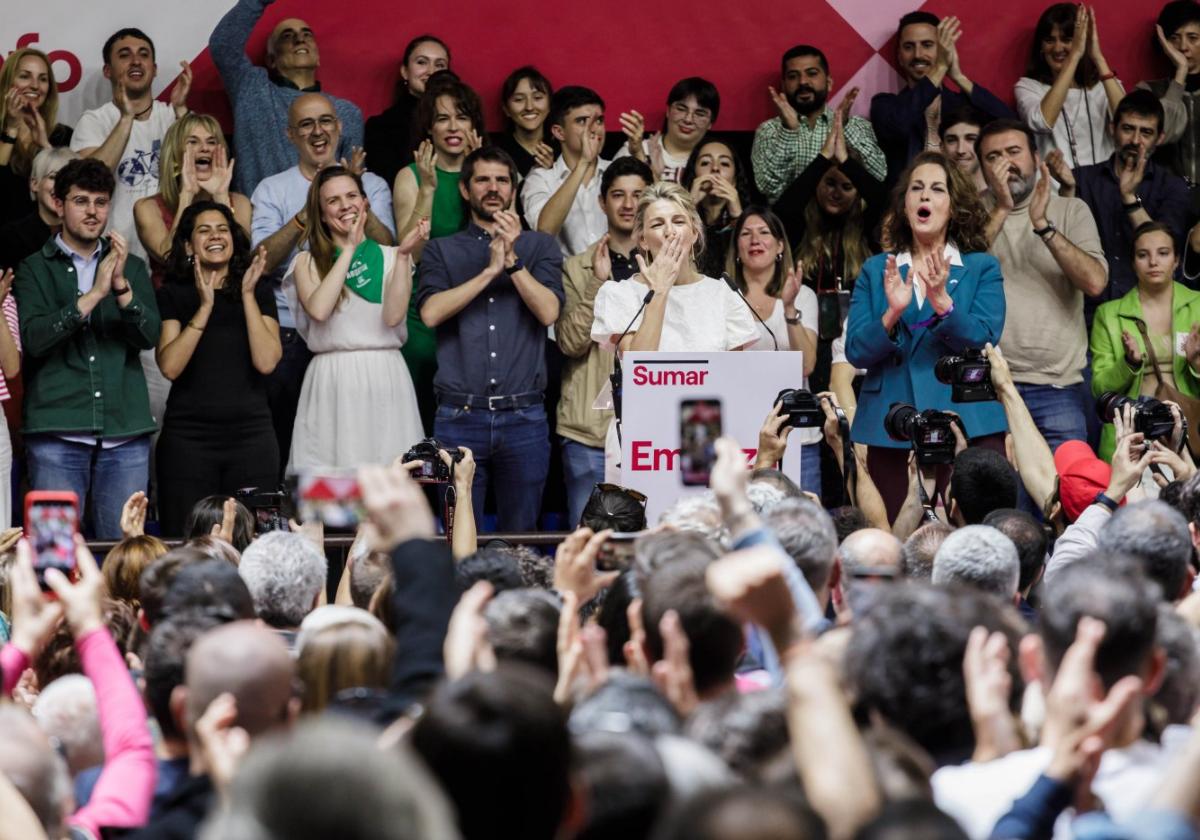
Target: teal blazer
x,y
900,367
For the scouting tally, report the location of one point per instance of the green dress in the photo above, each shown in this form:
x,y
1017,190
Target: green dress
x,y
420,351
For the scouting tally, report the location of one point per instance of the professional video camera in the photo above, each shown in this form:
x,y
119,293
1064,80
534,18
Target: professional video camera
x,y
969,376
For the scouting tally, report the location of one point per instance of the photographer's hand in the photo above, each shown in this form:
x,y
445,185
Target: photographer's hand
x,y
1128,465
575,564
772,439
465,540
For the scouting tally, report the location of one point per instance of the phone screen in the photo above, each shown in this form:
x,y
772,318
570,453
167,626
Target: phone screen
x,y
52,526
334,499
699,428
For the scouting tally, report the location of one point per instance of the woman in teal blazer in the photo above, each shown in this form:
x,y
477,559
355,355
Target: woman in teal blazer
x,y
939,293
1169,311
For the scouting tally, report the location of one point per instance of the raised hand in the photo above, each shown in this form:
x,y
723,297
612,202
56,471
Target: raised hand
x,y
1057,165
1130,177
34,618
254,271
1094,50
1001,374
791,286
1191,346
949,31
183,86
465,647
133,515
205,284
221,176
426,160
1133,353
898,291
656,155
1040,203
633,126
933,122
702,185
473,140
673,673
936,275
80,600
997,178
37,128
575,564
224,529
601,261
989,684
396,507
661,274
358,161
1178,60
508,229
722,187
122,101
189,181
543,155
419,233
787,114
772,439
592,141
358,227
15,105
1079,42
843,108
497,256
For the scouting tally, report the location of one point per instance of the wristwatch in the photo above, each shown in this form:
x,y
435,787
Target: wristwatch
x,y
1133,206
1102,499
793,321
517,265
1042,232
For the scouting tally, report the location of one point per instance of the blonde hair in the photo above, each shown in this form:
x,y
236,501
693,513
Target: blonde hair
x,y
171,160
349,653
21,159
681,198
124,564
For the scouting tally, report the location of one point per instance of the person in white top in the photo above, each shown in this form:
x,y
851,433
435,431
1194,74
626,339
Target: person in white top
x,y
127,133
692,107
1068,92
564,201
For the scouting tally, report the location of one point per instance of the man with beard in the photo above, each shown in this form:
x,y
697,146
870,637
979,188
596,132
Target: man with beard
x,y
127,133
1050,255
277,224
87,309
927,55
959,130
1128,190
491,290
785,145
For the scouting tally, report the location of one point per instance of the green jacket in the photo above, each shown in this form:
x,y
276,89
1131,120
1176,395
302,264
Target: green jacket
x,y
82,375
1110,372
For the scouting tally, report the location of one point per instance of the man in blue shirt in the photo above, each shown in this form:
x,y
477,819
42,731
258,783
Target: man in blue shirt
x,y
491,291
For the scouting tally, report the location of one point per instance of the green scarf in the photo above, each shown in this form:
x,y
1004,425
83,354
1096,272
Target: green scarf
x,y
365,277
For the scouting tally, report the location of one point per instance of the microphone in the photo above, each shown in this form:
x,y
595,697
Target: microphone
x,y
614,378
729,282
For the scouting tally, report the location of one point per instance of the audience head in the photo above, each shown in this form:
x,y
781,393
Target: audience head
x,y
495,564
867,561
284,573
715,158
778,479
214,586
747,731
66,711
1180,22
613,615
692,107
981,557
806,79
215,548
983,480
806,533
959,130
575,112
498,744
129,61
1179,694
655,550
210,238
621,186
743,813
42,173
525,95
1137,126
625,782
445,113
83,191
933,198
921,547
917,45
315,130
366,574
124,564
760,244
336,198
664,211
904,662
210,511
197,134
1051,47
423,56
60,655
28,70
846,520
292,48
1154,256
523,627
1012,141
1156,538
163,659
340,648
626,703
34,768
488,183
156,580
1029,537
610,506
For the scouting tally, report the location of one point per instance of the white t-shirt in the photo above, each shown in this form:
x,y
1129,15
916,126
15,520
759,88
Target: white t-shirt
x,y
672,165
806,305
1084,117
137,171
585,222
701,317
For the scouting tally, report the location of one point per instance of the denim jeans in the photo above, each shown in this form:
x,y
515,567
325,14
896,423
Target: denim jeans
x,y
107,476
512,451
583,469
1059,413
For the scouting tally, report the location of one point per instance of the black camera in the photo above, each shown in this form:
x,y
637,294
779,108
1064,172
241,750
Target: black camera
x,y
1150,417
432,470
969,376
270,507
928,431
803,410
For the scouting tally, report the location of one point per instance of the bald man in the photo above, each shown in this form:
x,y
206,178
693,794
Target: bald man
x,y
867,558
314,131
248,661
261,95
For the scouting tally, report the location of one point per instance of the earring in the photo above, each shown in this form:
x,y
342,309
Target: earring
x,y
779,256
191,259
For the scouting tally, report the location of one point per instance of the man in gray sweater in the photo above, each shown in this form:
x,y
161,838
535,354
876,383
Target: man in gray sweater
x,y
261,95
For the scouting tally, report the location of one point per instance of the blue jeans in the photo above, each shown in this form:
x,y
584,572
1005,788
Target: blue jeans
x,y
810,468
512,450
1059,413
108,476
583,469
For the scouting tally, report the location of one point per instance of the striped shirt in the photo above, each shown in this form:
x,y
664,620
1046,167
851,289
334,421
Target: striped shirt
x,y
10,317
780,154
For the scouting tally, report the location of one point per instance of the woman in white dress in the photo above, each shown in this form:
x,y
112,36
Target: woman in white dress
x,y
350,295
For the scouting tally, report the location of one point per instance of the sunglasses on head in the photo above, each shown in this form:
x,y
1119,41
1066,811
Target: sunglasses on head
x,y
640,498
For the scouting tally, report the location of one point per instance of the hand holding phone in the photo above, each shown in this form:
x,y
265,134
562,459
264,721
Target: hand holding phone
x,y
51,522
699,428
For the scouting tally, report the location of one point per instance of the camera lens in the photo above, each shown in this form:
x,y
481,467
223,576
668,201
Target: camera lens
x,y
898,422
943,369
1109,404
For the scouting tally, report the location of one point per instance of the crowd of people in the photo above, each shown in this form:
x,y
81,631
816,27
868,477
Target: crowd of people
x,y
975,614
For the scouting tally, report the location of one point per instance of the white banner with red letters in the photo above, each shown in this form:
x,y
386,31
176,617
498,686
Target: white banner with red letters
x,y
669,395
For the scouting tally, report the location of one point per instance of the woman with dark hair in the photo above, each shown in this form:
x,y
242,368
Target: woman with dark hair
x,y
716,179
388,137
1068,92
938,293
613,507
525,97
210,512
28,124
692,107
219,342
350,295
831,212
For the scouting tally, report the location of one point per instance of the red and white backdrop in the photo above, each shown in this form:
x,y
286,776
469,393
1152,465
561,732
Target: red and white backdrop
x,y
626,52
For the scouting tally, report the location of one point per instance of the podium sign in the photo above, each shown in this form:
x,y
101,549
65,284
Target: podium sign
x,y
655,384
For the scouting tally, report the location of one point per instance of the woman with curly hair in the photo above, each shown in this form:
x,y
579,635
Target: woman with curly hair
x,y
716,179
938,293
219,342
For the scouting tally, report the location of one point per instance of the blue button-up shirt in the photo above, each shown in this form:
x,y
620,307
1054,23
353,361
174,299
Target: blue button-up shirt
x,y
494,346
85,267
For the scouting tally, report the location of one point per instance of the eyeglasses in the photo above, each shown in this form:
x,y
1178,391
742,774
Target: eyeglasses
x,y
306,127
640,498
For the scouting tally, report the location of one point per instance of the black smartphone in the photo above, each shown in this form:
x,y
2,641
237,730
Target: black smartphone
x,y
616,555
699,428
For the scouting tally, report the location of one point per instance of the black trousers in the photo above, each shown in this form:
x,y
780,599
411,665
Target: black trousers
x,y
198,460
283,392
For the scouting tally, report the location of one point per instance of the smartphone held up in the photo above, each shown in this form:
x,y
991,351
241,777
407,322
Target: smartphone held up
x,y
51,522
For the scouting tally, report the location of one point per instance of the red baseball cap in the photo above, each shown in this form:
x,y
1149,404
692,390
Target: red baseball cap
x,y
1081,475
